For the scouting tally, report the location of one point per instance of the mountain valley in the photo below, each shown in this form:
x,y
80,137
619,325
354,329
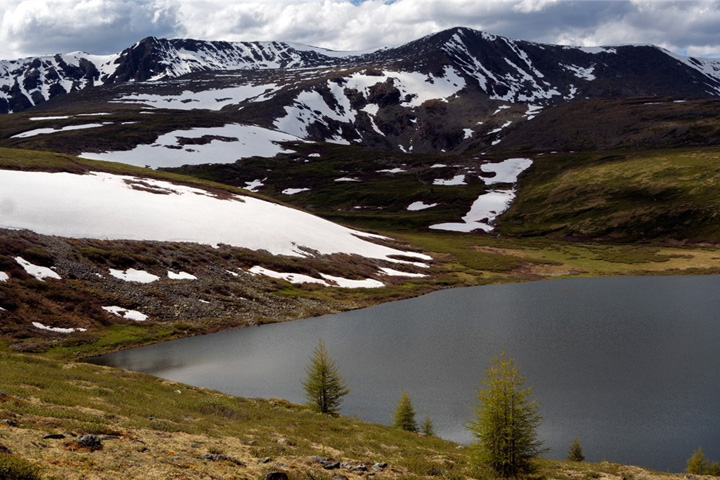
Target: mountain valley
x,y
181,187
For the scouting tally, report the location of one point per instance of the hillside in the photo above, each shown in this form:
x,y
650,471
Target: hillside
x,y
182,187
152,428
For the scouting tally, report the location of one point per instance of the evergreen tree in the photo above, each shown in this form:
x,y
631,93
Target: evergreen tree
x,y
715,469
404,416
697,463
506,420
427,427
324,387
576,454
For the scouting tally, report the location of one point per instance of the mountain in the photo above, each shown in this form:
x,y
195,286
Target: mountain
x,y
456,90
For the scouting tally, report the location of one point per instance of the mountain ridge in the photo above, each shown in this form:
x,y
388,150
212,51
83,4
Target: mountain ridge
x,y
505,69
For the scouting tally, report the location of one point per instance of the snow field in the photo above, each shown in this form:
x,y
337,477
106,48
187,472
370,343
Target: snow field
x,y
482,213
202,100
506,171
106,206
232,142
420,86
488,206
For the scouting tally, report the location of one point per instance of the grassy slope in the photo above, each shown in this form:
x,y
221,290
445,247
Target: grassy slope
x,y
622,196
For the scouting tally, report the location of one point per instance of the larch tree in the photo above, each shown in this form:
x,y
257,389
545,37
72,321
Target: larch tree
x,y
575,454
324,387
506,420
404,416
698,463
427,427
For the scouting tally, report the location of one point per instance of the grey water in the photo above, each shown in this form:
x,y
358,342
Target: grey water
x,y
629,365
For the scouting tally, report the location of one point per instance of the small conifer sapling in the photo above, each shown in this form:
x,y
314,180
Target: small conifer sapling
x,y
324,387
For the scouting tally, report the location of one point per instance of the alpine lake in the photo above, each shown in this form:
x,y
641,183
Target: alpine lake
x,y
628,365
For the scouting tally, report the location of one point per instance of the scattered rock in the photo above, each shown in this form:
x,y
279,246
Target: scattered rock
x,y
265,460
326,463
90,441
9,422
276,476
54,436
358,467
379,467
216,457
285,441
4,449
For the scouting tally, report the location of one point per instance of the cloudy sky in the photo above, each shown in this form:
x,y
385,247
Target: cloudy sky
x,y
39,27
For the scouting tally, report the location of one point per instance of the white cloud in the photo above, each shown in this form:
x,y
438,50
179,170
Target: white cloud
x,y
31,27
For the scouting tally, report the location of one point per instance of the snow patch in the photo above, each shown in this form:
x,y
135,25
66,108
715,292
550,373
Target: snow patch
x,y
126,314
456,180
57,329
4,277
417,206
347,179
392,170
326,281
133,275
398,273
585,73
482,214
506,171
52,117
296,278
294,191
255,184
347,283
46,131
37,271
181,276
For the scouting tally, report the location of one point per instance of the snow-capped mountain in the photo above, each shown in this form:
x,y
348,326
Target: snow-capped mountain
x,y
503,68
450,91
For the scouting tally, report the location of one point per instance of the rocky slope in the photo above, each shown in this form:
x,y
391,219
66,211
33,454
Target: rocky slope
x,y
455,90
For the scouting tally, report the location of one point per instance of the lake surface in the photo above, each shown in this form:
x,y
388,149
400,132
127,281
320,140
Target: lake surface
x,y
630,365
